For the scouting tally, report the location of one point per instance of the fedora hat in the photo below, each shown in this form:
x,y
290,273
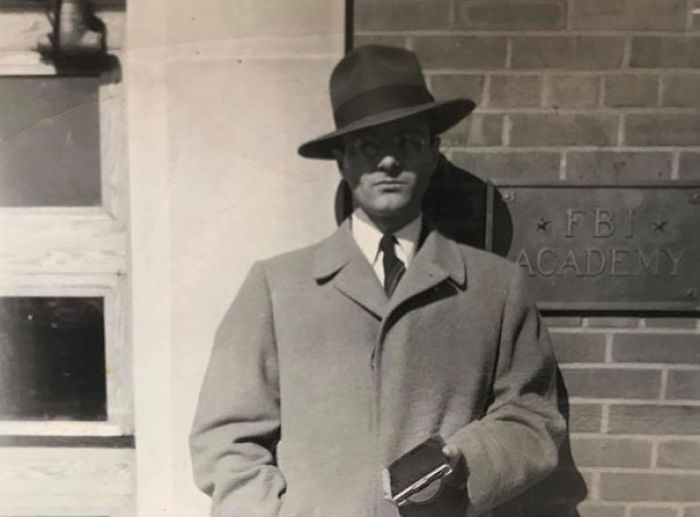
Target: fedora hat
x,y
376,84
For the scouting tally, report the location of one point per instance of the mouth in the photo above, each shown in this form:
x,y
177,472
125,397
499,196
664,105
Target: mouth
x,y
389,183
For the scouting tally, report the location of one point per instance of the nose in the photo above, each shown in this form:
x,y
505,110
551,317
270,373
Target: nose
x,y
389,164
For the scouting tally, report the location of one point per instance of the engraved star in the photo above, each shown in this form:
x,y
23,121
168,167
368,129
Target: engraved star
x,y
659,224
542,224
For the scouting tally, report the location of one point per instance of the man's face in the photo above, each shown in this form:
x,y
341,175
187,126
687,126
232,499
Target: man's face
x,y
388,169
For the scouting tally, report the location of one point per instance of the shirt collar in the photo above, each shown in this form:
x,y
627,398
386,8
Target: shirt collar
x,y
367,237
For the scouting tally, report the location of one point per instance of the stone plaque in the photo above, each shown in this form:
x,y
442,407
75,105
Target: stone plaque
x,y
603,247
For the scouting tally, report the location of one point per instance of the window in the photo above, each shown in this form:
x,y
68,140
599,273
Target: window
x,y
49,141
66,417
52,359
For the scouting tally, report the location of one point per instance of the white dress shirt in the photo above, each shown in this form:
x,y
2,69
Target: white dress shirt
x,y
367,237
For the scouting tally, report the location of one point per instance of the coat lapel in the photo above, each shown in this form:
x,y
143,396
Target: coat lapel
x,y
438,259
341,261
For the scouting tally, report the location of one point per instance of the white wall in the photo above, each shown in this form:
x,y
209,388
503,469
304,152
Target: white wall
x,y
220,94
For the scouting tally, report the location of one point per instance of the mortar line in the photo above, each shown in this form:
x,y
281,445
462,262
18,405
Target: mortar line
x,y
546,92
675,164
583,148
609,347
661,438
694,403
641,470
660,504
630,366
611,437
654,455
686,505
595,486
689,12
452,14
506,130
562,165
553,70
607,366
605,419
486,90
601,110
621,128
548,33
598,504
626,53
410,42
509,53
547,71
663,392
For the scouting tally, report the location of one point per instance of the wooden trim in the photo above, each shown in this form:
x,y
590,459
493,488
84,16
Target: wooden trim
x,y
60,428
112,442
24,62
114,290
41,6
118,358
66,481
40,242
23,26
113,153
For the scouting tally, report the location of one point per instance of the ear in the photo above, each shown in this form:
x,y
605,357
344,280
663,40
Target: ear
x,y
435,147
338,156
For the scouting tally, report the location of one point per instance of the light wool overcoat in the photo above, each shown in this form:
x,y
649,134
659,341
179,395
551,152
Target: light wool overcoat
x,y
317,381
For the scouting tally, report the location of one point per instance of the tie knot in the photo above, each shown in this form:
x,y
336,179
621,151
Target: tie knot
x,y
387,244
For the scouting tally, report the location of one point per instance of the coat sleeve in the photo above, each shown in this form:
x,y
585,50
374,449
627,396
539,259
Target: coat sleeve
x,y
516,442
237,423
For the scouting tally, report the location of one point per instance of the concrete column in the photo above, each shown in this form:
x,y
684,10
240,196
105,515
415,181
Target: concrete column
x,y
220,95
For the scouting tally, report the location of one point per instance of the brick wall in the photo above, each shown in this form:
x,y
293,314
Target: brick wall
x,y
585,90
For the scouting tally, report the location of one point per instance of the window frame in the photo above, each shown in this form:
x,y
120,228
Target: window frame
x,y
113,291
78,251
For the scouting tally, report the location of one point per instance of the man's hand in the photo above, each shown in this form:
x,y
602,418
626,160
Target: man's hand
x,y
452,452
455,459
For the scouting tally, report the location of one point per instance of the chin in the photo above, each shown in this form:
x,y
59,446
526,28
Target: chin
x,y
392,203
395,211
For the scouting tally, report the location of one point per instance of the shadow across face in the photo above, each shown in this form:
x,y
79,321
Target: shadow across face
x,y
456,203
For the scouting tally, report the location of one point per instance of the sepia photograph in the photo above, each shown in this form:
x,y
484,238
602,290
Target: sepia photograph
x,y
350,258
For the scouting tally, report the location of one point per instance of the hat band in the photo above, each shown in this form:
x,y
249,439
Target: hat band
x,y
385,98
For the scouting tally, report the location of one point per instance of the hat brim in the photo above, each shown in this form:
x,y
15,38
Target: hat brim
x,y
442,115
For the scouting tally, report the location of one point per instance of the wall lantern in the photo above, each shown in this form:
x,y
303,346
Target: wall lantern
x,y
78,37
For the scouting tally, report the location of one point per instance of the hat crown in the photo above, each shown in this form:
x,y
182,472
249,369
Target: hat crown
x,y
374,79
374,66
377,84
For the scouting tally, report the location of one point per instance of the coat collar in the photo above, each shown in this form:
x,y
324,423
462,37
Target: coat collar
x,y
338,258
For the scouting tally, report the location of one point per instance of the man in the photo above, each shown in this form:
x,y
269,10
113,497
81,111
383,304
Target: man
x,y
337,359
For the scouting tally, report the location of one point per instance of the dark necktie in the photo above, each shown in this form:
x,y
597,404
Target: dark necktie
x,y
393,267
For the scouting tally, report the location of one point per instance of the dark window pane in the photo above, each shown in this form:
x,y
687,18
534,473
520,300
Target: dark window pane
x,y
49,141
52,359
